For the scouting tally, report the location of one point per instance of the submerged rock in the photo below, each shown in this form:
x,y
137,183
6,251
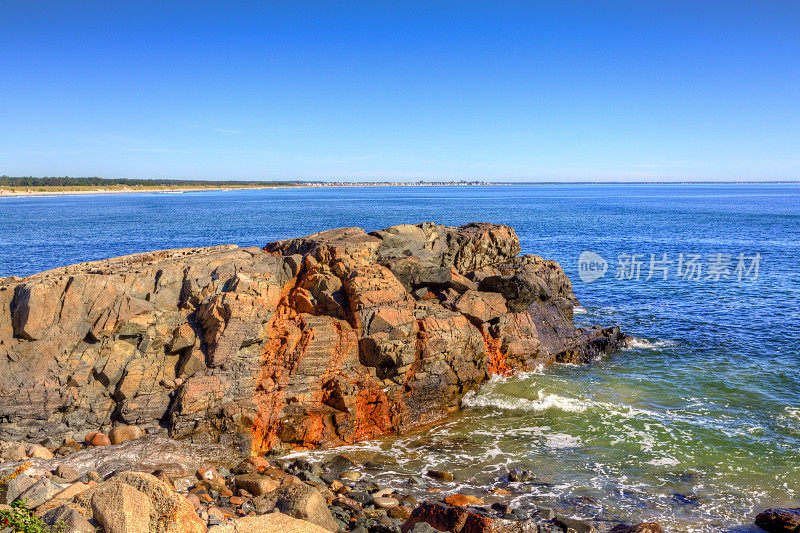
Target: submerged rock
x,y
779,520
327,339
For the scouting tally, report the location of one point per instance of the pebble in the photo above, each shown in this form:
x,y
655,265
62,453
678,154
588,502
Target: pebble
x,y
236,500
384,502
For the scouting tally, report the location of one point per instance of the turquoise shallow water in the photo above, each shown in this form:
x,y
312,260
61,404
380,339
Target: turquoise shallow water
x,y
697,426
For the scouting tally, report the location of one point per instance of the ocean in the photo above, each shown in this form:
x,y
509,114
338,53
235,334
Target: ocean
x,y
696,426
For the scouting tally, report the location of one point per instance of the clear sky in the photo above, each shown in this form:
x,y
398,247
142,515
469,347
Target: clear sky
x,y
376,90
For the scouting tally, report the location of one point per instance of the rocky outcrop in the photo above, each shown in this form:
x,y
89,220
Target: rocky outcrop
x,y
326,339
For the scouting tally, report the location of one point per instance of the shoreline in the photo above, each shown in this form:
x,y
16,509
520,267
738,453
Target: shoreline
x,y
6,192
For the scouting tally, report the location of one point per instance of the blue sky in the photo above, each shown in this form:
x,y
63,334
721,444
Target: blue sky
x,y
533,91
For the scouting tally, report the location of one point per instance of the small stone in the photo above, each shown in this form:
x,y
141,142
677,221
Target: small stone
x,y
121,434
40,451
210,474
68,447
67,473
236,500
255,484
440,475
384,502
400,512
244,494
95,438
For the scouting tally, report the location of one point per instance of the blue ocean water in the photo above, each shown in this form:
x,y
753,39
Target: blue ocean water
x,y
698,425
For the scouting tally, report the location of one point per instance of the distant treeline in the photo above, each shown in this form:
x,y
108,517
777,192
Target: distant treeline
x,y
28,181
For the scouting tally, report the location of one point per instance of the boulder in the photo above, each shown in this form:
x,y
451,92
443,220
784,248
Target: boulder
x,y
298,500
165,510
119,508
255,484
38,493
70,520
269,523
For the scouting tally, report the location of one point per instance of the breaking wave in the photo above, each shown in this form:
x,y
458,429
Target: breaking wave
x,y
543,402
633,343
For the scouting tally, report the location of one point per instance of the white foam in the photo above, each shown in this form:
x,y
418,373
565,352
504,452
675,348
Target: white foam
x,y
664,461
543,402
578,310
561,440
633,343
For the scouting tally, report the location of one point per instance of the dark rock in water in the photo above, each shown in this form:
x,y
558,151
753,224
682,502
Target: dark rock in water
x,y
545,513
448,518
579,526
440,475
645,527
779,520
684,499
516,475
339,464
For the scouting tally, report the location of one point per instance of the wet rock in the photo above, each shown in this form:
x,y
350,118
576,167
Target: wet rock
x,y
579,526
440,475
444,517
779,520
462,500
352,475
384,502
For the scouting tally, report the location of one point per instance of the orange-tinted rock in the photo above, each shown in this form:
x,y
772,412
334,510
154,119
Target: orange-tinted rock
x,y
462,500
327,339
449,518
97,439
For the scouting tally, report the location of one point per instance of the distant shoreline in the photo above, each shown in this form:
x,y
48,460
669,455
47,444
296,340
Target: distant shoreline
x,y
46,190
126,189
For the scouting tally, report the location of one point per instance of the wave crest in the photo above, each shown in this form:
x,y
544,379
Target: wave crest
x,y
543,402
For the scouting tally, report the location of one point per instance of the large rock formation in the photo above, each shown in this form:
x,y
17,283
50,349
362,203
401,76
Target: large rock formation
x,y
326,339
